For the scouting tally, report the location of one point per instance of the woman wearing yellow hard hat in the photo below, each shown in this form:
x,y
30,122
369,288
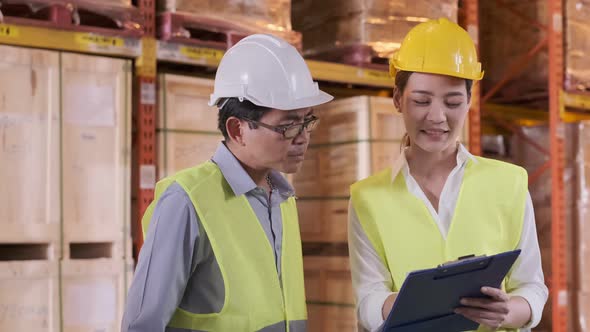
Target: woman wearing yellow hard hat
x,y
438,202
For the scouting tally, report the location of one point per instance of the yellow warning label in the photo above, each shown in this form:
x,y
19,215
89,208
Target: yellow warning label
x,y
199,53
8,31
101,41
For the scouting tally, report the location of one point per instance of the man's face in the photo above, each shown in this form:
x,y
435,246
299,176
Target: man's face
x,y
270,149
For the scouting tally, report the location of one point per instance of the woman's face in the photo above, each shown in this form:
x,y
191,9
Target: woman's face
x,y
434,109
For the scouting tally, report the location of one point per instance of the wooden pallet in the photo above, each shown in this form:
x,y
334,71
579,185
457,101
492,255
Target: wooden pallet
x,y
83,16
206,31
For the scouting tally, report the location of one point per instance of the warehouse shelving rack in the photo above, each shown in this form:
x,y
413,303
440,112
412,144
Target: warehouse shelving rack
x,y
147,52
564,107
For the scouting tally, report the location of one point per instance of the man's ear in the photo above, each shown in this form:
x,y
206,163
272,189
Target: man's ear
x,y
235,130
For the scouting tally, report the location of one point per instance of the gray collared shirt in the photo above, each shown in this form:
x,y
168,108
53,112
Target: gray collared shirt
x,y
177,267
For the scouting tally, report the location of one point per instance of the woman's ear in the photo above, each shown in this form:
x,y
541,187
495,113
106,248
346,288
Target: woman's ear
x,y
235,130
397,99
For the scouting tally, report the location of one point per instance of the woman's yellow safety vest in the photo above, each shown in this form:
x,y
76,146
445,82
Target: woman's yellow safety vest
x,y
255,298
488,218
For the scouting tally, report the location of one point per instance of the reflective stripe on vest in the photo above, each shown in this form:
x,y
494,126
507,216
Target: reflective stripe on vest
x,y
488,218
254,297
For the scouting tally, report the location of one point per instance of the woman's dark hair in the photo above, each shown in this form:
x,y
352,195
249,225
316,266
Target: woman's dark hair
x,y
239,109
401,81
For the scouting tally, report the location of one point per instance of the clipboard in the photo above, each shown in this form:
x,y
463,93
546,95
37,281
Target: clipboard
x,y
428,298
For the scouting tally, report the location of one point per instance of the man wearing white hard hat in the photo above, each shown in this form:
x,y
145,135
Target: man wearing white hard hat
x,y
222,251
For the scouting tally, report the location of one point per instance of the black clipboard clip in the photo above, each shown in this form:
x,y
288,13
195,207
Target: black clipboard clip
x,y
462,259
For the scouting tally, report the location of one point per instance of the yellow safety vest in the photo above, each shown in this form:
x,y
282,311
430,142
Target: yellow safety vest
x,y
488,218
255,299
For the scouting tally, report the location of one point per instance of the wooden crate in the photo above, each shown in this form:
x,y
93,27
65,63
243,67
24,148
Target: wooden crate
x,y
96,96
184,103
187,126
356,119
328,289
328,171
129,273
29,296
356,137
93,294
29,148
323,220
177,151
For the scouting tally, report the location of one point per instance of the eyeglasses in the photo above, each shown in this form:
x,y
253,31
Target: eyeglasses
x,y
292,130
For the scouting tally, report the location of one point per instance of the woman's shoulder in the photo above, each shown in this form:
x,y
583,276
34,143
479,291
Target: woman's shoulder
x,y
379,178
499,168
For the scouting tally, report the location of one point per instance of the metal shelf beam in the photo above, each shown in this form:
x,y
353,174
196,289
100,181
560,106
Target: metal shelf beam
x,y
63,40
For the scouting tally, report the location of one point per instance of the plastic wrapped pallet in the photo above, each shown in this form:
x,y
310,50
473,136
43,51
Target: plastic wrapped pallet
x,y
115,15
265,16
120,14
497,52
29,149
329,293
379,24
103,2
577,45
504,38
272,13
187,126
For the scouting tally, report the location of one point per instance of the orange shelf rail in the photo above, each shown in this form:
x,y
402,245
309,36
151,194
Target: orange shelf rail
x,y
559,291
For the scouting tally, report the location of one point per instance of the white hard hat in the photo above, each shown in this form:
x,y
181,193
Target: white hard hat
x,y
268,72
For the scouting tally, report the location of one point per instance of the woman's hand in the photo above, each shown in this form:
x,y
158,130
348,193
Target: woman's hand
x,y
388,305
490,312
497,311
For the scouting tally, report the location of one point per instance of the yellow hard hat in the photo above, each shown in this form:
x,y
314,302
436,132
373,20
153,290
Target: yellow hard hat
x,y
438,47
